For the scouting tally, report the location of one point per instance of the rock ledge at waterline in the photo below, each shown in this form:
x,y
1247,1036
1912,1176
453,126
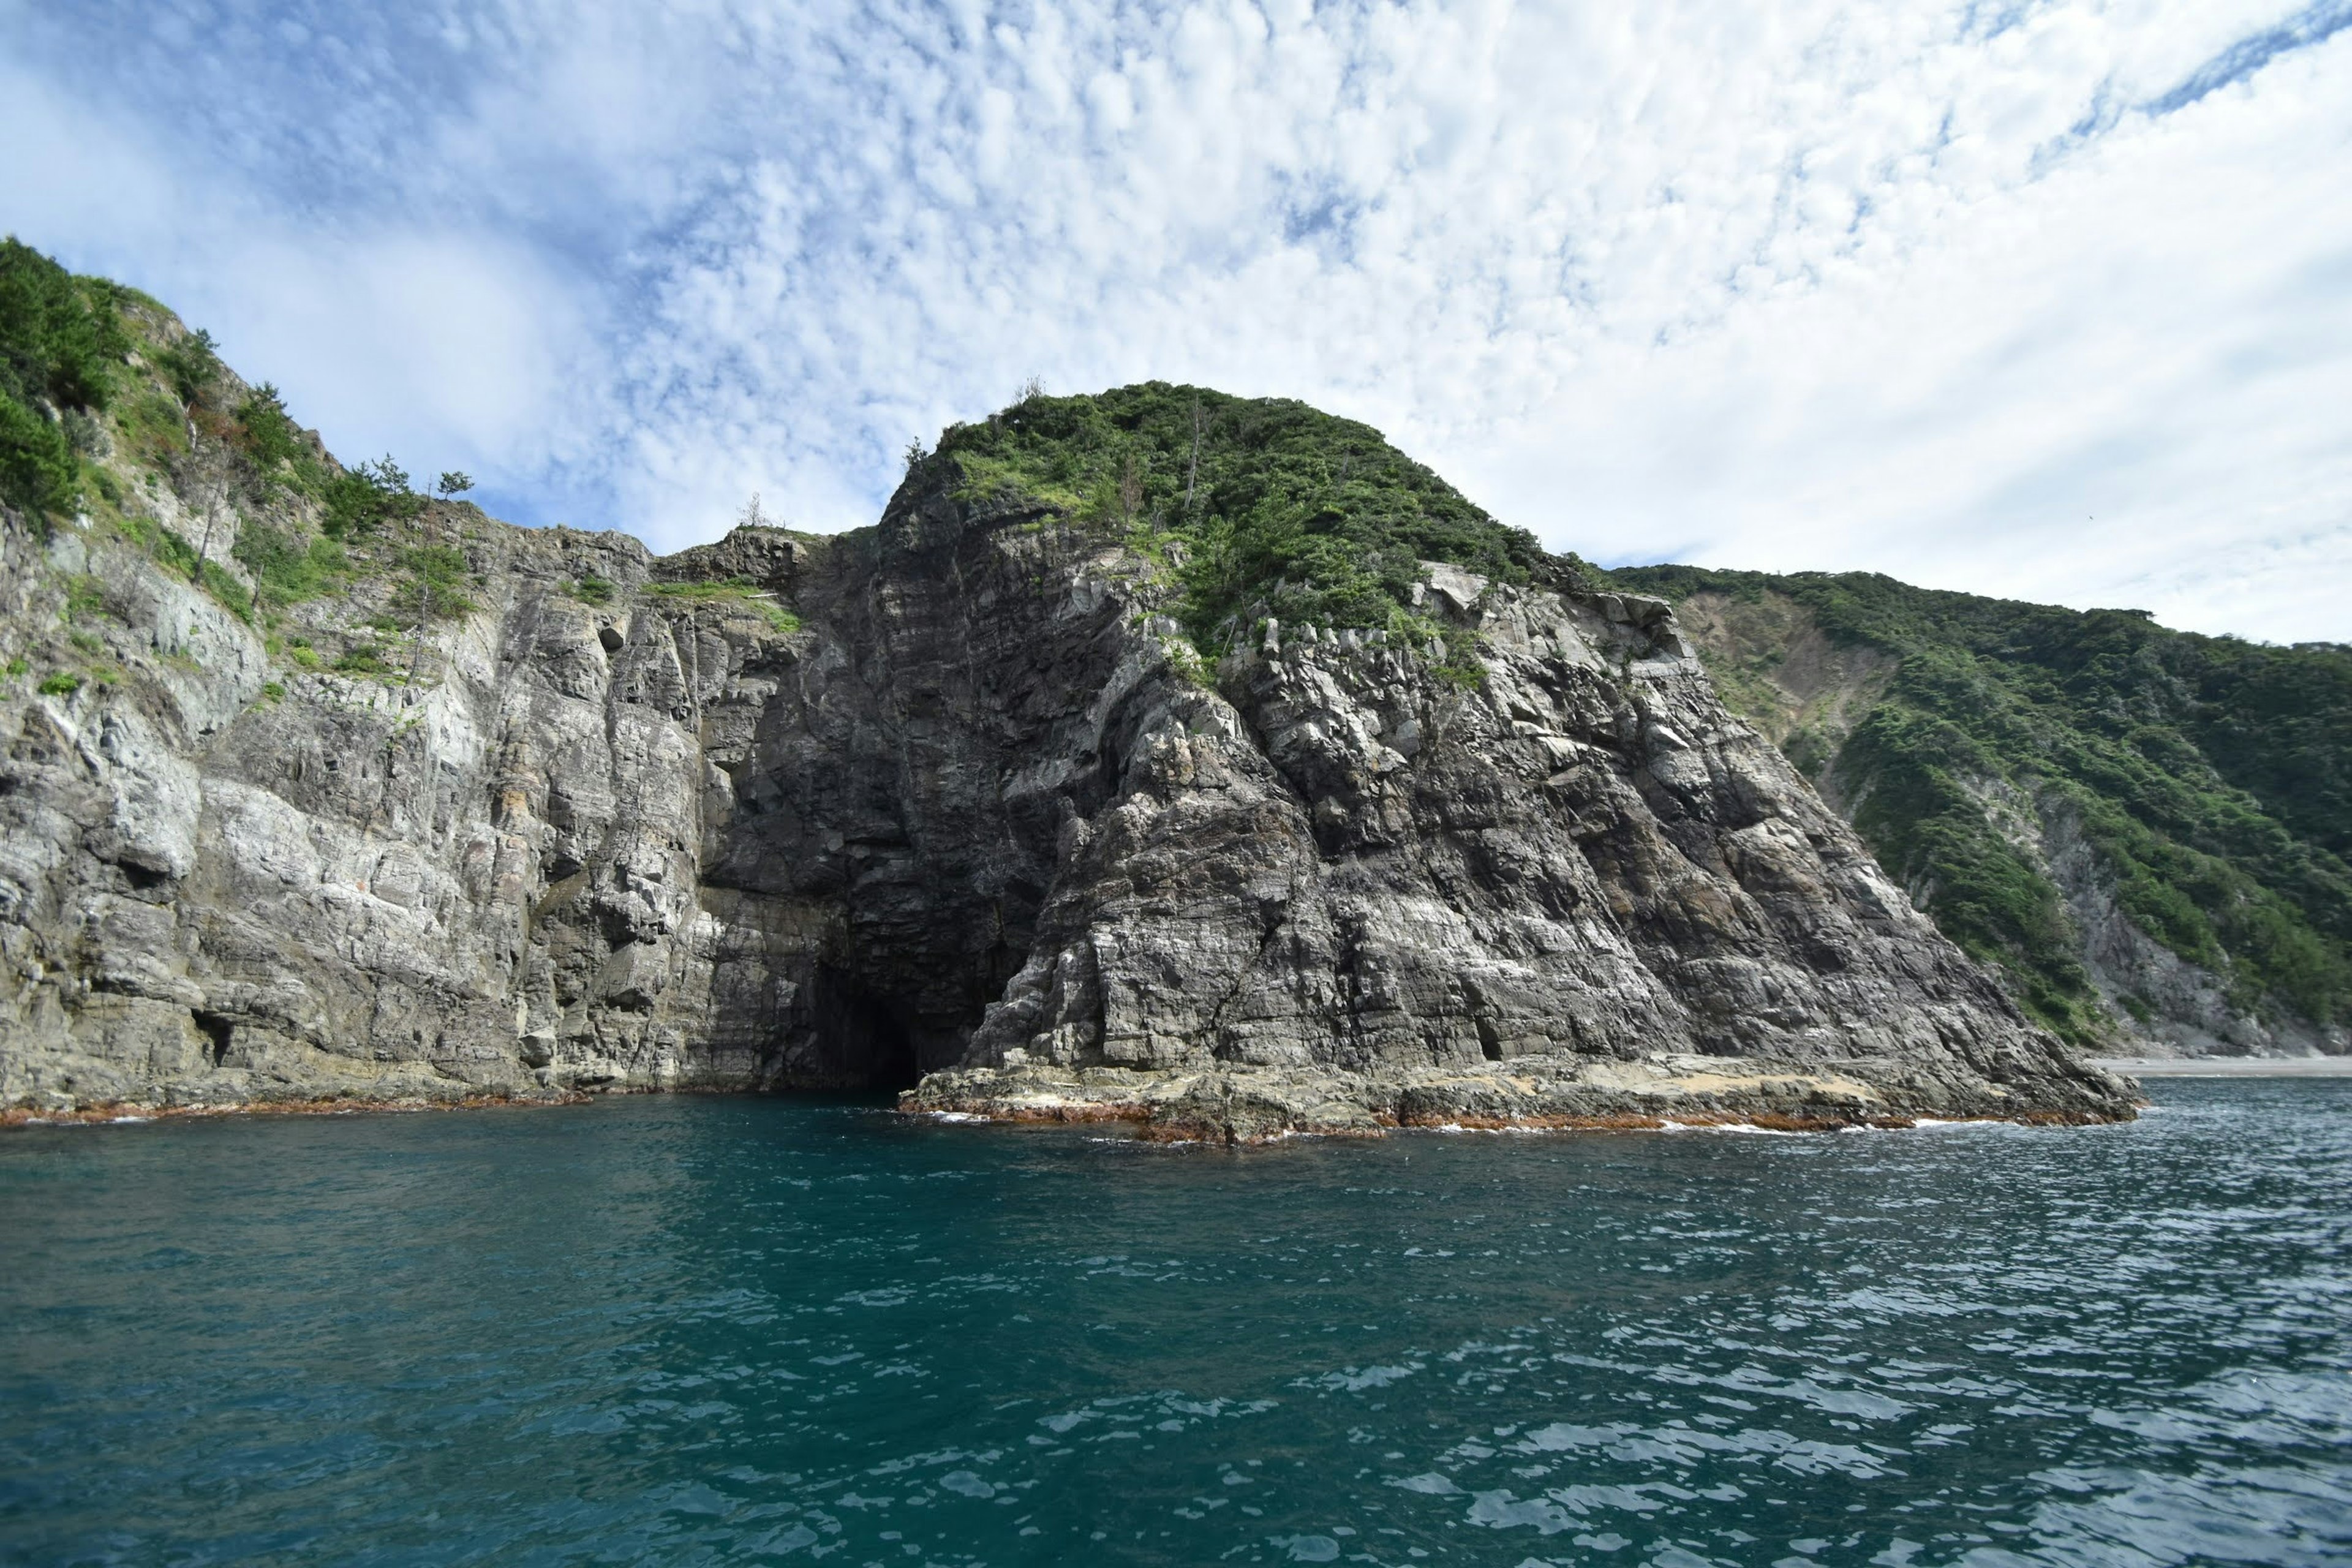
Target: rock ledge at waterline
x,y
981,814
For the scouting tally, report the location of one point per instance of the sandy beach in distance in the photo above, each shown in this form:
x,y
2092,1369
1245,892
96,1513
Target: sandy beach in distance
x,y
2227,1066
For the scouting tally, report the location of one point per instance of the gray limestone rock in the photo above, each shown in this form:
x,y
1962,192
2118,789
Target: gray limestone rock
x,y
982,819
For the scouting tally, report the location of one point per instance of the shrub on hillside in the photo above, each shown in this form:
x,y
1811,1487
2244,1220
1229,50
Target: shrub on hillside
x,y
59,342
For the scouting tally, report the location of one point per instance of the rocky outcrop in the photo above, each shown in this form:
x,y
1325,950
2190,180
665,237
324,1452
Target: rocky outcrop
x,y
947,800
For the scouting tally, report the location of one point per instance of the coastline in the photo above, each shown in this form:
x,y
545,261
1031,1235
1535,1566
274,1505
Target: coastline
x,y
126,1113
1225,1103
1241,1106
2225,1067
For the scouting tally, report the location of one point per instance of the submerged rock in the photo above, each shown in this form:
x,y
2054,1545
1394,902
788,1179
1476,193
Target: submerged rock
x,y
950,800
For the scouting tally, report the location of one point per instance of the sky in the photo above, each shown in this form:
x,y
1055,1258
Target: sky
x,y
2050,300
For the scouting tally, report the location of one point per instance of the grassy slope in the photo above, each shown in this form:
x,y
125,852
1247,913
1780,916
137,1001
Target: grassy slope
x,y
2213,775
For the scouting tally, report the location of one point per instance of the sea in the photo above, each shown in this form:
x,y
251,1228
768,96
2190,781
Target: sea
x,y
704,1330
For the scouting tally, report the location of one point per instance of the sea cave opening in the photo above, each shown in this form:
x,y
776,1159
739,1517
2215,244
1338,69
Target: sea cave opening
x,y
862,1041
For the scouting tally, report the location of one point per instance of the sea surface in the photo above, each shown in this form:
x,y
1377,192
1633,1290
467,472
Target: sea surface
x,y
744,1331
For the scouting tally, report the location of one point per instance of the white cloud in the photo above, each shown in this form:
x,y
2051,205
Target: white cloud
x,y
2054,300
464,339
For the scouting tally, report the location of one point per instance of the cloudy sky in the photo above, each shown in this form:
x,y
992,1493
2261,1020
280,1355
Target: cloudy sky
x,y
2051,299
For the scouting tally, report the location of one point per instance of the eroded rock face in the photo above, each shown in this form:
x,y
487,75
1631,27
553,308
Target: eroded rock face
x,y
983,817
1344,885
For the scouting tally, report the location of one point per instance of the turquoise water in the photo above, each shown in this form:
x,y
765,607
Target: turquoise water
x,y
691,1331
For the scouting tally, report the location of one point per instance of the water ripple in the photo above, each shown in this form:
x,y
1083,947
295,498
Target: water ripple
x,y
717,1331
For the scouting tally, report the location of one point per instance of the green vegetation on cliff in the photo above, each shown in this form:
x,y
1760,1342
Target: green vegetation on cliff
x,y
2213,777
1258,506
117,418
60,344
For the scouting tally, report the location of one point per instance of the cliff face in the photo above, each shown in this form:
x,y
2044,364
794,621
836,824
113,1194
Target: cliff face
x,y
659,841
311,788
982,809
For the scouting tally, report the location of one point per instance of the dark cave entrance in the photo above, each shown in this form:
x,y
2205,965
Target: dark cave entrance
x,y
219,1033
862,1041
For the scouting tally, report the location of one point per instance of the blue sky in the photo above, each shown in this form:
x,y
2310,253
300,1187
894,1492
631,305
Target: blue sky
x,y
2046,300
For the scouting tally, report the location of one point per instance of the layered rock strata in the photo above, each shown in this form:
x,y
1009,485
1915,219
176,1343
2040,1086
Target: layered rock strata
x,y
980,820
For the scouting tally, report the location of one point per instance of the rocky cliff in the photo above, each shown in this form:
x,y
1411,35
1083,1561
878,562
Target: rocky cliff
x,y
362,796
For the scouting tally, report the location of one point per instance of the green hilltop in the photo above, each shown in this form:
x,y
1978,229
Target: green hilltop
x,y
1259,506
